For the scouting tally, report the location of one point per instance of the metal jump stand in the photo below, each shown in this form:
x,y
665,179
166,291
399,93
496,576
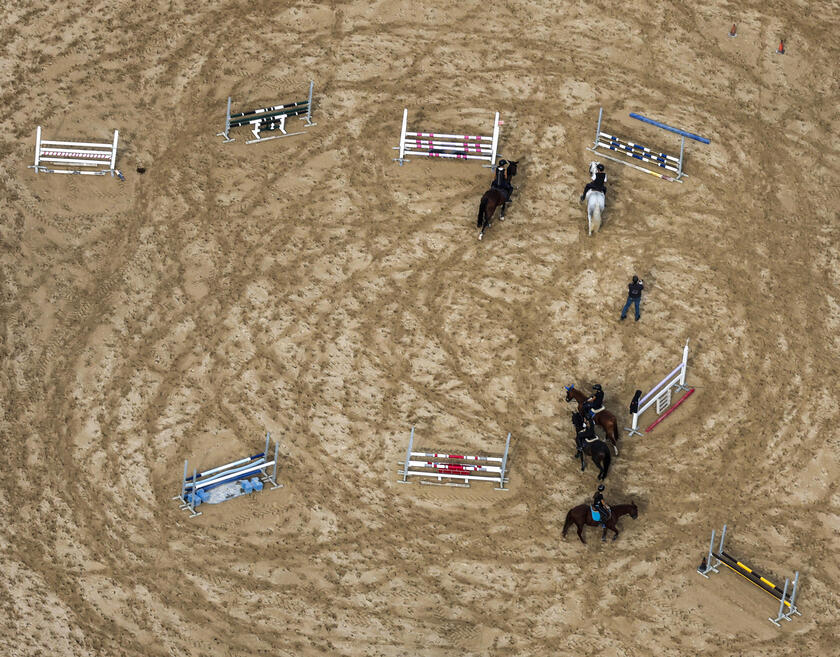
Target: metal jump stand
x,y
721,558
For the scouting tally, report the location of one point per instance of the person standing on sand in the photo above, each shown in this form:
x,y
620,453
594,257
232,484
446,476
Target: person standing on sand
x,y
634,296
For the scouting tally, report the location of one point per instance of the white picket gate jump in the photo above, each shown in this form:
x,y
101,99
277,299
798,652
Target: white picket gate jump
x,y
70,155
660,395
448,146
458,467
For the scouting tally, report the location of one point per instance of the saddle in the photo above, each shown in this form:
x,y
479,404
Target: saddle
x,y
596,515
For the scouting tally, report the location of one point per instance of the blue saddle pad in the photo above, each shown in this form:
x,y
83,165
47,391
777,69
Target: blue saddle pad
x,y
596,515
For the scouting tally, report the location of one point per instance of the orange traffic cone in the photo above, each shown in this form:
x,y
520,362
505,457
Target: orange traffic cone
x,y
781,48
733,32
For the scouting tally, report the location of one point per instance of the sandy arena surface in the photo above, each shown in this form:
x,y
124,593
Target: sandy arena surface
x,y
312,287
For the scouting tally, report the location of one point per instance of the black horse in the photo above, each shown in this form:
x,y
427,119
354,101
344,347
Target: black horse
x,y
590,444
493,198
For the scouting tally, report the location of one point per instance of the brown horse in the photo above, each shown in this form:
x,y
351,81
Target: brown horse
x,y
493,198
605,419
581,516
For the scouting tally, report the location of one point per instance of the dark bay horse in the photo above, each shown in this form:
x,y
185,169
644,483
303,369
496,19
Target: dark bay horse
x,y
592,445
493,198
605,419
580,516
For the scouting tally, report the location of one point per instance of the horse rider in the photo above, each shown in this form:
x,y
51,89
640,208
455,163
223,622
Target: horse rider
x,y
501,181
599,182
584,431
595,402
600,506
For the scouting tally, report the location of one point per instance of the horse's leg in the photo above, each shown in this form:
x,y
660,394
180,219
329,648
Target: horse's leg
x,y
604,534
482,212
614,529
580,533
595,217
502,211
602,473
489,209
582,460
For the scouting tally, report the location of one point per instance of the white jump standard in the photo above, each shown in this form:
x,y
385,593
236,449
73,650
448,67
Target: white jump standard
x,y
458,467
649,156
448,146
229,480
70,155
269,119
660,396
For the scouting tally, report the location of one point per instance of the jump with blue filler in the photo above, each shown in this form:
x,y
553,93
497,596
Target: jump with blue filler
x,y
225,482
644,154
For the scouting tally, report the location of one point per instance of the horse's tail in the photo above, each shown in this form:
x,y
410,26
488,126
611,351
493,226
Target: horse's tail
x,y
482,208
568,522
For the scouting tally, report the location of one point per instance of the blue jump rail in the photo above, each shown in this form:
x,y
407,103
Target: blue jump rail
x,y
664,126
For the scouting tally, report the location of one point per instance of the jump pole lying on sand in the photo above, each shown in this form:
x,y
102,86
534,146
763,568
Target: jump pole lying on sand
x,y
715,559
459,467
669,411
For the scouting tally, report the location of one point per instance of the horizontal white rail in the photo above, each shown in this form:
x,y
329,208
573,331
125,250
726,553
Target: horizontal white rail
x,y
454,467
434,455
457,156
449,475
239,474
65,160
49,142
445,136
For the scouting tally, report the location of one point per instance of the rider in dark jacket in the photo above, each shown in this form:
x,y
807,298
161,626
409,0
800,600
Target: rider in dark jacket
x,y
599,505
595,401
599,182
584,430
501,180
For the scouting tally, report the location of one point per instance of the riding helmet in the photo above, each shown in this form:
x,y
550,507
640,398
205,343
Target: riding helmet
x,y
601,488
600,167
597,386
503,163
